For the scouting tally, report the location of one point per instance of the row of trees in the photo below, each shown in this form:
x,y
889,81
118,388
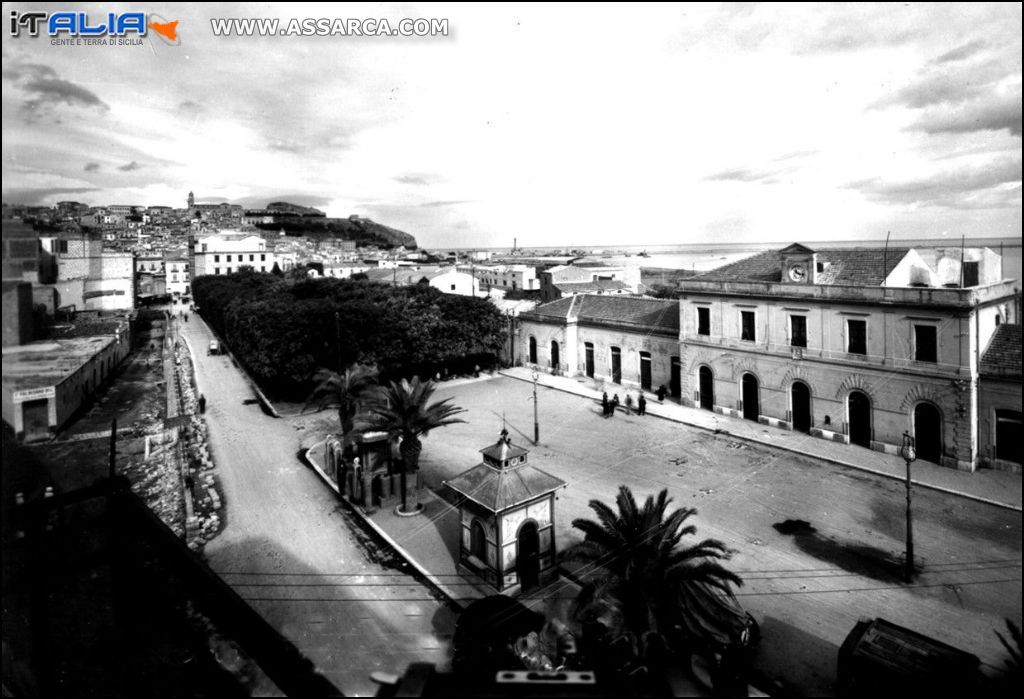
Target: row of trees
x,y
284,330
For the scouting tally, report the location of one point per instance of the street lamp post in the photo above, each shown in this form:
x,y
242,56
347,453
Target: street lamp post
x,y
909,454
536,423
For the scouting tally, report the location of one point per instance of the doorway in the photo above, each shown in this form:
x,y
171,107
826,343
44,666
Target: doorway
x,y
35,416
616,365
751,402
801,399
676,379
928,432
589,350
645,371
533,350
859,419
707,388
528,558
555,359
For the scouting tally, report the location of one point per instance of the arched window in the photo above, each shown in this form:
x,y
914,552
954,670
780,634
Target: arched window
x,y
478,540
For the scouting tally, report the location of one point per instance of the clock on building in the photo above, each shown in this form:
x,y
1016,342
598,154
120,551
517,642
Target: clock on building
x,y
797,273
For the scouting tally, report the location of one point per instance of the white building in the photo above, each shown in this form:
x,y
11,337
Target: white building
x,y
452,281
504,277
228,252
176,267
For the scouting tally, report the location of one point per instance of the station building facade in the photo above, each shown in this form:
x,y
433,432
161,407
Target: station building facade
x,y
853,345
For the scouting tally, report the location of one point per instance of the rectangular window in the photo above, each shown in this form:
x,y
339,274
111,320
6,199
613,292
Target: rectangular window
x,y
216,258
747,331
229,258
62,246
798,331
925,346
263,258
216,270
857,336
251,258
703,321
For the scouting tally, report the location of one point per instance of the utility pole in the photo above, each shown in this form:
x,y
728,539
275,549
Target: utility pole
x,y
909,454
536,422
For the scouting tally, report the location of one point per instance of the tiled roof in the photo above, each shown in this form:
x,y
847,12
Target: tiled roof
x,y
651,314
501,488
1003,356
843,266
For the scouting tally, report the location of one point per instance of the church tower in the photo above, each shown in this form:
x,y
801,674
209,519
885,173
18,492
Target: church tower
x,y
191,200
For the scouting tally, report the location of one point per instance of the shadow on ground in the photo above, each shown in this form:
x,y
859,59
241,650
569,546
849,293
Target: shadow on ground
x,y
811,672
860,559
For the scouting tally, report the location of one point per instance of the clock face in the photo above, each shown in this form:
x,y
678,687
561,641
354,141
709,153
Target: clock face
x,y
797,273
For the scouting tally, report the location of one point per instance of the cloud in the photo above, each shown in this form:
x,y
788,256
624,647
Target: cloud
x,y
453,202
782,165
46,95
130,167
994,185
28,71
286,146
948,85
417,179
961,52
992,113
190,106
91,167
740,174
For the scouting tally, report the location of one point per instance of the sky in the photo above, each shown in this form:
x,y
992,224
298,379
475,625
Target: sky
x,y
554,125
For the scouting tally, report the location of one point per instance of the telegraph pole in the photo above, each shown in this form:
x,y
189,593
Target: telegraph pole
x,y
536,422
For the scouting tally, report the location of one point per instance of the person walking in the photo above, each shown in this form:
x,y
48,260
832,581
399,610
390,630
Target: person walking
x,y
615,404
661,393
629,404
641,405
604,404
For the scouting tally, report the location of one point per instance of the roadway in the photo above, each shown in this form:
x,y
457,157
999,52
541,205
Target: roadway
x,y
289,548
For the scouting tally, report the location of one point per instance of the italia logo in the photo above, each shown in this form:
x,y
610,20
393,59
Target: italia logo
x,y
80,24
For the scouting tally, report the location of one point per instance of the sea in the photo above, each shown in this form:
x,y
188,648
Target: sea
x,y
703,257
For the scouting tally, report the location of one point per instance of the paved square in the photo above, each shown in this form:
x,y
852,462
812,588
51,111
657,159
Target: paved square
x,y
808,586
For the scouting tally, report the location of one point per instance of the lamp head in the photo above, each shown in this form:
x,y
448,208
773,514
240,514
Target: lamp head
x,y
908,450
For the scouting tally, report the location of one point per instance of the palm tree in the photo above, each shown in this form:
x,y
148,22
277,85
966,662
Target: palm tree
x,y
649,590
404,410
344,391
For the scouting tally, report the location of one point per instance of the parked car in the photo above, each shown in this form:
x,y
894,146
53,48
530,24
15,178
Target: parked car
x,y
214,347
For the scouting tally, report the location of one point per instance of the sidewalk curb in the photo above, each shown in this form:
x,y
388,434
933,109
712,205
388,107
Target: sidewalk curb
x,y
438,586
828,459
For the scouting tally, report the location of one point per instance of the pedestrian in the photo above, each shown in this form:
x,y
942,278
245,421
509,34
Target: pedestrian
x,y
615,404
604,404
661,393
629,404
641,405
202,403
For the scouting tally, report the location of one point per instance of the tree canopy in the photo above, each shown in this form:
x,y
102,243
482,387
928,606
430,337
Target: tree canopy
x,y
285,330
